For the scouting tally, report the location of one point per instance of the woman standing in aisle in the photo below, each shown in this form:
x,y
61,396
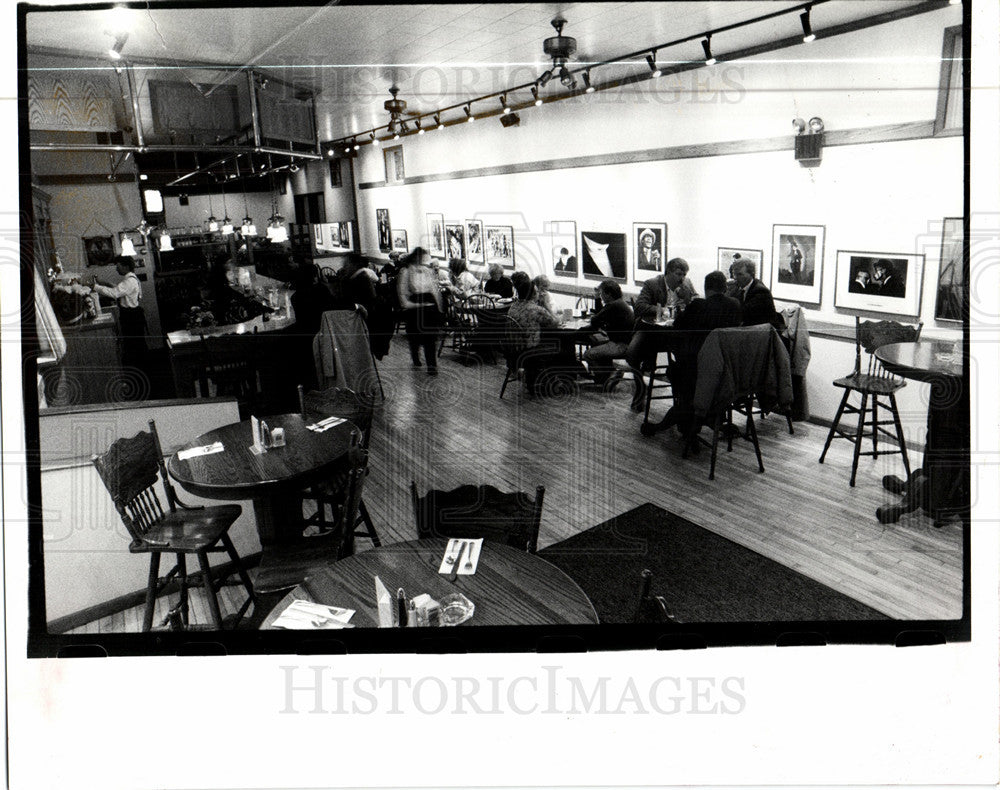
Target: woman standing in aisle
x,y
420,298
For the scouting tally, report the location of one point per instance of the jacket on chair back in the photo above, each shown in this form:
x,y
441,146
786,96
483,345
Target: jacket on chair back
x,y
740,361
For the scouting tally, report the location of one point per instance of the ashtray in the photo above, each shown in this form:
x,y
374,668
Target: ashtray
x,y
456,609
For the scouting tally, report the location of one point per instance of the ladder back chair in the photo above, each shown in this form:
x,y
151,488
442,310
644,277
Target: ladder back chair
x,y
329,493
877,388
129,470
480,512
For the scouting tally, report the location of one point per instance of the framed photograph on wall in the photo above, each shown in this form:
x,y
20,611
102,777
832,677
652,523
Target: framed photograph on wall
x,y
952,290
475,243
454,233
649,245
336,180
603,255
318,234
435,235
727,256
883,282
797,262
335,234
346,236
399,241
500,245
562,241
100,250
384,230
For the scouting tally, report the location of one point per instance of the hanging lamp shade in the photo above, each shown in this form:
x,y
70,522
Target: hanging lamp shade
x,y
165,243
227,227
248,228
128,248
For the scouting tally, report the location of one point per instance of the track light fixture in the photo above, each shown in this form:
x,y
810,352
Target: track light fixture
x,y
375,140
706,44
816,125
651,60
437,120
403,128
534,94
503,103
566,78
468,112
807,31
395,136
799,125
544,79
420,129
586,81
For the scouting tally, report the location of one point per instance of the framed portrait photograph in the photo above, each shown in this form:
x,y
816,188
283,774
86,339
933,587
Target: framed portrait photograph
x,y
727,256
335,234
384,230
475,243
345,235
399,241
562,241
649,245
454,233
797,262
952,289
882,282
100,250
500,245
603,255
435,235
336,180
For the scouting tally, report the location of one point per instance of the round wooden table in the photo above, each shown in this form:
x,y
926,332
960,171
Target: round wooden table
x,y
273,480
509,587
940,484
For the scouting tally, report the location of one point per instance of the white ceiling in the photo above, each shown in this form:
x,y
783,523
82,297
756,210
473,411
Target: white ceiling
x,y
438,55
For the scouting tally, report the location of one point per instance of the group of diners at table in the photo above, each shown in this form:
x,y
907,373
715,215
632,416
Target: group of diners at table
x,y
552,347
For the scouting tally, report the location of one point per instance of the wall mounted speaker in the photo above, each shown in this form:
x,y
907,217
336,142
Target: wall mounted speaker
x,y
809,147
513,119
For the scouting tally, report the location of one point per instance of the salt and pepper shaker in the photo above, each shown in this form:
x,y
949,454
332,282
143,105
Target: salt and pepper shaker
x,y
401,607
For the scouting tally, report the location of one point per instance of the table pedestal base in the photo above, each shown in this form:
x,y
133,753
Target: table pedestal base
x,y
279,518
919,491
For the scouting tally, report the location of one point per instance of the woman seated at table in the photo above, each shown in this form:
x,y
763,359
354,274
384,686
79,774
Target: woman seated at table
x,y
541,283
498,283
526,320
612,330
462,281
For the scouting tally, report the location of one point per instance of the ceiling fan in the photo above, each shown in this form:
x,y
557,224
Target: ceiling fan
x,y
397,109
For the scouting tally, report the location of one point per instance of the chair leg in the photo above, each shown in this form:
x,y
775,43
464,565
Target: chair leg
x,y
715,445
788,419
183,603
506,379
649,392
752,430
859,437
730,429
154,573
835,425
899,434
874,426
244,576
213,602
367,519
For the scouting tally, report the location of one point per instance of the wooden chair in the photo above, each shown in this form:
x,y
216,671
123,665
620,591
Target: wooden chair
x,y
228,370
286,565
874,384
480,512
129,470
737,366
511,347
651,608
657,380
488,339
329,493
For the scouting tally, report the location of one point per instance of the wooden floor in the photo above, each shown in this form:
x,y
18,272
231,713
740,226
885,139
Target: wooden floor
x,y
588,453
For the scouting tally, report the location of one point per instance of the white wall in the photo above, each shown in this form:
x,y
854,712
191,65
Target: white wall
x,y
85,544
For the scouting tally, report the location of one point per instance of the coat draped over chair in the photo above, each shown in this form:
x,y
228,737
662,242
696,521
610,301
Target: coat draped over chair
x,y
342,354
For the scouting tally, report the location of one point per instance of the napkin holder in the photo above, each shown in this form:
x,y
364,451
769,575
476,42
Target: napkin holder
x,y
387,610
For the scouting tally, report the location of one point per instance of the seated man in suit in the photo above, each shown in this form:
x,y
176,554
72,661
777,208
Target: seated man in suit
x,y
754,297
672,288
715,311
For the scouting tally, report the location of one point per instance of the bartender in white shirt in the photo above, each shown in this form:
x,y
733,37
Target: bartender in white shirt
x,y
131,318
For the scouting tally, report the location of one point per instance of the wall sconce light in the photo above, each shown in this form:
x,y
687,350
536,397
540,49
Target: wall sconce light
x,y
706,44
807,32
808,141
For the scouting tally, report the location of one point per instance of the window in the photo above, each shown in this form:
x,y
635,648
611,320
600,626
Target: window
x,y
393,163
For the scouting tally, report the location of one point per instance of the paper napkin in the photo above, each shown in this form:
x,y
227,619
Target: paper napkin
x,y
308,615
207,449
473,548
